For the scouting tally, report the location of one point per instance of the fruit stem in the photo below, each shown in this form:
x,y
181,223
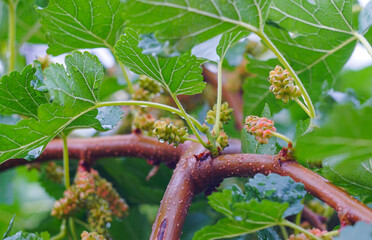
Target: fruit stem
x,y
281,136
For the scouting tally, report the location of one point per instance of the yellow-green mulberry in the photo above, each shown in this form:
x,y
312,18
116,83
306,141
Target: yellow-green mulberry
x,y
149,85
170,133
282,85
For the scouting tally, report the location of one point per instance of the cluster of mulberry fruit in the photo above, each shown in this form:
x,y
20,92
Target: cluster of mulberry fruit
x,y
261,128
315,231
225,114
222,140
91,236
282,85
95,194
144,121
170,132
147,89
54,172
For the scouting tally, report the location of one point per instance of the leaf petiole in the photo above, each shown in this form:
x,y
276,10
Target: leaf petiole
x,y
281,136
62,232
189,122
66,166
216,127
302,106
12,47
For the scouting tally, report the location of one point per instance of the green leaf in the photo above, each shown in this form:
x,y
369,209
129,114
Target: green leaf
x,y
251,145
256,90
179,75
9,228
302,127
192,22
29,236
228,40
28,27
221,202
277,188
316,45
360,231
360,83
346,135
344,144
74,93
129,177
356,177
268,234
76,24
365,18
17,96
255,216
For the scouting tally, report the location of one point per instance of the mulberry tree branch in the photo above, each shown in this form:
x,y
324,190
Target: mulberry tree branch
x,y
197,172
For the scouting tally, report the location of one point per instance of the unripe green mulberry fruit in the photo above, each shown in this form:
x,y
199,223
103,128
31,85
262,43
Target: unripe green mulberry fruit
x,y
145,122
149,85
141,94
282,85
223,140
170,133
225,114
261,128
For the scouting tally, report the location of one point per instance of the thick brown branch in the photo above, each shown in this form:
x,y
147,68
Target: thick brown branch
x,y
136,145
90,149
193,176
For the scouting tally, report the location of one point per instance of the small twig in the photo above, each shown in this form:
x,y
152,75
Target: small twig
x,y
313,218
235,100
152,172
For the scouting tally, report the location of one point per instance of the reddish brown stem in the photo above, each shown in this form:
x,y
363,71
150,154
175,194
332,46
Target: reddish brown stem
x,y
193,176
314,219
90,149
197,173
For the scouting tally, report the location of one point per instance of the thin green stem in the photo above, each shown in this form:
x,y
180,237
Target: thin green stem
x,y
127,79
298,82
66,164
331,233
189,122
298,221
12,47
300,229
192,139
72,228
62,232
284,231
150,104
281,136
364,41
302,106
83,224
216,127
